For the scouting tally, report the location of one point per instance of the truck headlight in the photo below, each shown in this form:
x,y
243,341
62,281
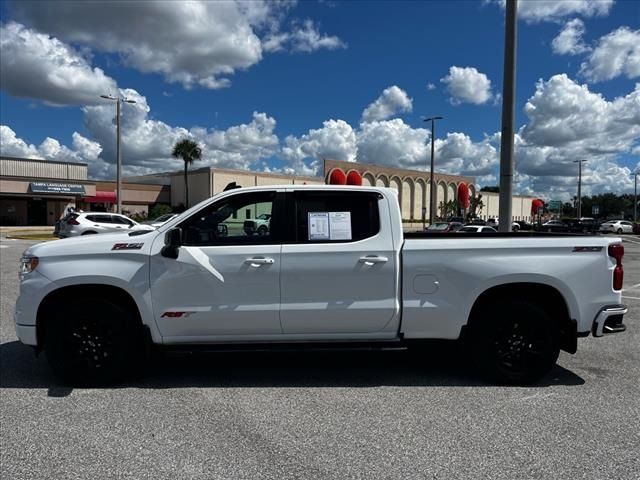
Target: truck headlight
x,y
28,264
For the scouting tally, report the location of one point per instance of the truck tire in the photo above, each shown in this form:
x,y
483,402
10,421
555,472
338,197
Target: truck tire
x,y
92,341
262,231
516,343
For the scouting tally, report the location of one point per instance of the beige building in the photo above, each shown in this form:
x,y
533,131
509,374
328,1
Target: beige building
x,y
38,192
414,189
205,182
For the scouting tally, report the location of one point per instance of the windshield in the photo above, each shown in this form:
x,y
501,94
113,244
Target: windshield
x,y
468,229
438,226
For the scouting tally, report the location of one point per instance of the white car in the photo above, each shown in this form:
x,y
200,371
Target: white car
x,y
493,222
477,229
161,220
617,226
88,223
334,267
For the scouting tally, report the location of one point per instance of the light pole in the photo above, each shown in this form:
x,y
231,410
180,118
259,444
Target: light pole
x,y
635,196
579,162
118,100
432,193
505,207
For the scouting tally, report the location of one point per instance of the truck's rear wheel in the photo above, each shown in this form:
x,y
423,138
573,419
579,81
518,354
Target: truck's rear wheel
x,y
517,342
91,341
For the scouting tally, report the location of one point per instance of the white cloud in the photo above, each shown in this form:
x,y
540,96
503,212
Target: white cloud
x,y
533,11
197,43
392,143
569,40
617,53
569,122
305,37
12,146
147,143
84,150
431,86
467,85
336,140
391,102
38,66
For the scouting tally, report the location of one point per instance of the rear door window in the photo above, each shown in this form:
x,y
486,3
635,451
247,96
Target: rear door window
x,y
329,217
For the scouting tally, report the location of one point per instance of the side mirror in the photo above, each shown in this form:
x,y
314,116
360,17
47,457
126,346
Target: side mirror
x,y
172,242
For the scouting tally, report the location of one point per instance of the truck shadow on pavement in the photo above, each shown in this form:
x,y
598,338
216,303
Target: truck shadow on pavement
x,y
439,364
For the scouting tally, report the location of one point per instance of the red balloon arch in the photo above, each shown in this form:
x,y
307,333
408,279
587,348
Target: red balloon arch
x,y
337,177
463,195
536,205
354,178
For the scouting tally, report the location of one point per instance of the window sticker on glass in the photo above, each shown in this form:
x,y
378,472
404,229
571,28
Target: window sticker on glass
x,y
318,226
340,225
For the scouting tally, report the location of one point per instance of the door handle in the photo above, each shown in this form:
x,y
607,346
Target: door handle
x,y
256,262
372,259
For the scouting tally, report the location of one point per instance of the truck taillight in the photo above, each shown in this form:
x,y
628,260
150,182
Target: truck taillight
x,y
616,251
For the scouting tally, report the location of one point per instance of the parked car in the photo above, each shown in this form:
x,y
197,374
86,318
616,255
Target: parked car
x,y
88,223
161,220
95,307
617,226
582,225
444,227
477,229
554,226
259,225
515,226
522,225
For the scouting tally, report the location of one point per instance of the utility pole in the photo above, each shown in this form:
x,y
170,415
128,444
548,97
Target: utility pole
x,y
579,162
432,193
508,117
635,196
118,100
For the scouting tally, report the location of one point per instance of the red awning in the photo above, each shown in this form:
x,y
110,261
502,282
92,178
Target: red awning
x,y
102,197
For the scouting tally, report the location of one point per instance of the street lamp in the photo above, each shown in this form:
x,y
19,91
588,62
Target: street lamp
x,y
432,195
118,100
579,162
635,196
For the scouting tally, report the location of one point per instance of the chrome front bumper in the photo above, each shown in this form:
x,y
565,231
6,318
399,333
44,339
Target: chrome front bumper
x,y
609,320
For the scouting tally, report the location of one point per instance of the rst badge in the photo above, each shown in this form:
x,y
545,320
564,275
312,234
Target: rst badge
x,y
127,246
173,314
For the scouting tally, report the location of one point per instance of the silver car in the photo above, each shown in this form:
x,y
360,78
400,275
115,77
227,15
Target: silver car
x,y
88,223
161,220
617,226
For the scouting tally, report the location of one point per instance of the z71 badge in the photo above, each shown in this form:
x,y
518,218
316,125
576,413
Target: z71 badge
x,y
127,246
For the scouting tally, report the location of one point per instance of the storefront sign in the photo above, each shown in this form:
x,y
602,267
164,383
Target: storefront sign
x,y
45,187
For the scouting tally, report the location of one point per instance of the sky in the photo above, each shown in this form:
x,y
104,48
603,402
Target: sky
x,y
279,86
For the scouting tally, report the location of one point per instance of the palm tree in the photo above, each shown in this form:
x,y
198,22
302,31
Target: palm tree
x,y
189,151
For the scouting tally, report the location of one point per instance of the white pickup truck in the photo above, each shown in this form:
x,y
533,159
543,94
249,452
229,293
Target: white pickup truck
x,y
334,268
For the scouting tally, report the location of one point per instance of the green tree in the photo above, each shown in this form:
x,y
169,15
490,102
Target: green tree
x,y
188,151
158,210
448,209
475,206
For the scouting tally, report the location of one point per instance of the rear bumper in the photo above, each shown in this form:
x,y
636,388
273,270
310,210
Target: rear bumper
x,y
609,320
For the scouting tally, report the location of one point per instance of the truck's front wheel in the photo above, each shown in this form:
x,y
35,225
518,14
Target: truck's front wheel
x,y
91,341
517,342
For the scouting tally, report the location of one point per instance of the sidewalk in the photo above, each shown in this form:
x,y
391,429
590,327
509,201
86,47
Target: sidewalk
x,y
47,229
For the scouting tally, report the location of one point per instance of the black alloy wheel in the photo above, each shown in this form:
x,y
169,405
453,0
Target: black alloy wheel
x,y
93,341
519,345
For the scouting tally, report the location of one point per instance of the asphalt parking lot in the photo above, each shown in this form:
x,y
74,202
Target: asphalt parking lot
x,y
394,414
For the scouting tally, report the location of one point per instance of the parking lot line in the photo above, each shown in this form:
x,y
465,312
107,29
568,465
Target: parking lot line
x,y
632,298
